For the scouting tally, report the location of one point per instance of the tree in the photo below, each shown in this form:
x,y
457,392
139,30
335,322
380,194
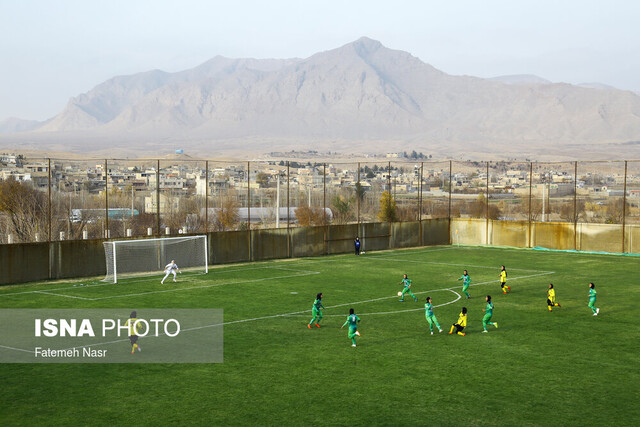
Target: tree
x,y
25,208
567,214
262,179
227,215
615,211
360,190
388,209
309,216
342,212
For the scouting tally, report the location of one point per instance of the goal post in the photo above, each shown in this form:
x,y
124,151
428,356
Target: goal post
x,y
144,257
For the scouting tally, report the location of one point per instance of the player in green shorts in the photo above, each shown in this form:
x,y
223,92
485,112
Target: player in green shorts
x,y
316,311
592,299
466,281
431,318
352,321
407,288
486,320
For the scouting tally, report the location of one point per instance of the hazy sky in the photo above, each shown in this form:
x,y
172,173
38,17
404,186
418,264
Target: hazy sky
x,y
53,50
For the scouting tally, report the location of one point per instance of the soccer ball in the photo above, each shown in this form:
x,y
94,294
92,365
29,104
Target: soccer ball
x,y
362,253
399,294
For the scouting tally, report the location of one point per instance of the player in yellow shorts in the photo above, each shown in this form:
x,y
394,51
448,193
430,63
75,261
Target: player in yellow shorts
x,y
551,297
461,323
503,281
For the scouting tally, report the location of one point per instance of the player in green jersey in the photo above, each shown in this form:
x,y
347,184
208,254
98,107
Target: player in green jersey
x,y
592,299
486,320
466,281
316,311
352,321
407,288
431,318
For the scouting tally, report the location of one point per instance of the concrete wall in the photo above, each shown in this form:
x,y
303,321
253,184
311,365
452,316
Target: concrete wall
x,y
552,235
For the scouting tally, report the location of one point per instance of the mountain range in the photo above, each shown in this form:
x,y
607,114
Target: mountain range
x,y
359,98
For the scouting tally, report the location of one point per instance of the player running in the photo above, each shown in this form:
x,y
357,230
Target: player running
x,y
352,321
407,288
133,331
551,297
592,299
486,320
431,318
316,310
503,281
461,323
466,281
171,268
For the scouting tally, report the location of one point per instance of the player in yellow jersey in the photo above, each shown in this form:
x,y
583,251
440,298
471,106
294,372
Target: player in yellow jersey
x,y
503,281
133,331
461,323
551,297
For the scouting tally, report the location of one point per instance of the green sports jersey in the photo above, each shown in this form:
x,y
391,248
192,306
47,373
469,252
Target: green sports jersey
x,y
489,309
428,307
466,280
592,294
317,304
407,283
352,321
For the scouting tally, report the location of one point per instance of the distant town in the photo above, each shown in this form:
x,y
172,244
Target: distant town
x,y
187,196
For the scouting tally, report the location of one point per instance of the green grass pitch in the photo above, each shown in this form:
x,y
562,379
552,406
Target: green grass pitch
x,y
566,367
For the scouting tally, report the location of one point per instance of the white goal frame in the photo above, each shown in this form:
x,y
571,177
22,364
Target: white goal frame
x,y
155,247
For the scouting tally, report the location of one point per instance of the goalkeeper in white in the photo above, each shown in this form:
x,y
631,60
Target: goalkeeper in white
x,y
170,268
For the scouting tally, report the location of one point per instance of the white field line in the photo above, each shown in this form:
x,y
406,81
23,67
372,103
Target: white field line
x,y
308,273
292,263
16,349
445,263
393,311
60,295
146,279
300,313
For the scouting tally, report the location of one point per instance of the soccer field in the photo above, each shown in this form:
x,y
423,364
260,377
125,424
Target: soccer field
x,y
564,367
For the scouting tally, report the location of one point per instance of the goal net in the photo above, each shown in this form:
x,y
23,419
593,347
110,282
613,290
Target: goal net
x,y
127,258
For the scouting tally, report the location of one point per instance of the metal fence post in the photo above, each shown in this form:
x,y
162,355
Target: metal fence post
x,y
420,204
324,194
624,205
106,199
206,196
325,225
158,232
249,196
575,206
530,190
49,220
358,198
486,238
288,210
450,189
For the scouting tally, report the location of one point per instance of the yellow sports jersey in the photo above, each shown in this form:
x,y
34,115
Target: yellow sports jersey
x,y
503,276
462,320
551,294
133,328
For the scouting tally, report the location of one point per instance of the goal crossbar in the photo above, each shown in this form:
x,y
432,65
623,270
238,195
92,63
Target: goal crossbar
x,y
149,256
